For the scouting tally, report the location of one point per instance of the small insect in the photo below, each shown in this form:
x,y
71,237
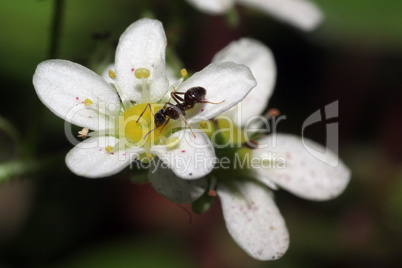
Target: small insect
x,y
169,111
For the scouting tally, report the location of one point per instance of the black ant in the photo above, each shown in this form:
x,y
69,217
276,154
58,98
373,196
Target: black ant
x,y
192,96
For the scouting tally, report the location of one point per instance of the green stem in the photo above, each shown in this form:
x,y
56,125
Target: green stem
x,y
36,122
58,15
18,168
11,131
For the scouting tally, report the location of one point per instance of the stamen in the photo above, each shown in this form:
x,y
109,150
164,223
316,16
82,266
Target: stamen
x,y
273,112
88,102
212,193
212,185
183,73
145,93
83,133
203,124
109,149
172,142
112,74
142,73
124,99
103,132
251,144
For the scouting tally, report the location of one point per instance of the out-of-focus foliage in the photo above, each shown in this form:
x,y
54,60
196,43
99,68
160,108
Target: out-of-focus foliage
x,y
141,253
51,218
369,23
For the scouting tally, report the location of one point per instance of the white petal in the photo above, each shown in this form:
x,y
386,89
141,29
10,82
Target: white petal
x,y
253,220
225,81
294,168
260,60
142,45
212,6
191,158
90,158
177,190
63,87
300,13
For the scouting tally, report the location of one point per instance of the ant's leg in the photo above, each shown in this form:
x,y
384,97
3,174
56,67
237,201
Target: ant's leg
x,y
176,98
182,117
166,104
148,105
163,126
211,102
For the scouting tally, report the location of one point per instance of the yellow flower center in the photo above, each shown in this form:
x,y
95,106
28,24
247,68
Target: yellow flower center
x,y
134,131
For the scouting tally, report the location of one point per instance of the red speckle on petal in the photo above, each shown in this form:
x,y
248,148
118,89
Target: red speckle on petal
x,y
77,98
132,69
183,151
89,116
100,150
202,110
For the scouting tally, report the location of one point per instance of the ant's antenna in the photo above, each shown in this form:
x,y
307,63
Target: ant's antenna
x,y
182,117
212,102
148,105
149,133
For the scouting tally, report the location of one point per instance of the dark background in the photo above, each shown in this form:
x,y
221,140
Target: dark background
x,y
51,218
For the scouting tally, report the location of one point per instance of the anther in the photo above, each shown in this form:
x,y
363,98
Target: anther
x,y
142,73
109,149
212,193
88,102
112,74
212,186
251,144
183,73
172,142
83,133
203,124
273,112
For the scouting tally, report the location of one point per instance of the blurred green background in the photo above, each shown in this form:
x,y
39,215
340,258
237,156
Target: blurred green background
x,y
51,218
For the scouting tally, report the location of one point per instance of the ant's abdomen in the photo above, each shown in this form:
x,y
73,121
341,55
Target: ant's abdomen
x,y
194,95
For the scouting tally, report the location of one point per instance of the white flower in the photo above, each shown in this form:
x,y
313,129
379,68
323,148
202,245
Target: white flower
x,y
119,112
300,13
250,213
